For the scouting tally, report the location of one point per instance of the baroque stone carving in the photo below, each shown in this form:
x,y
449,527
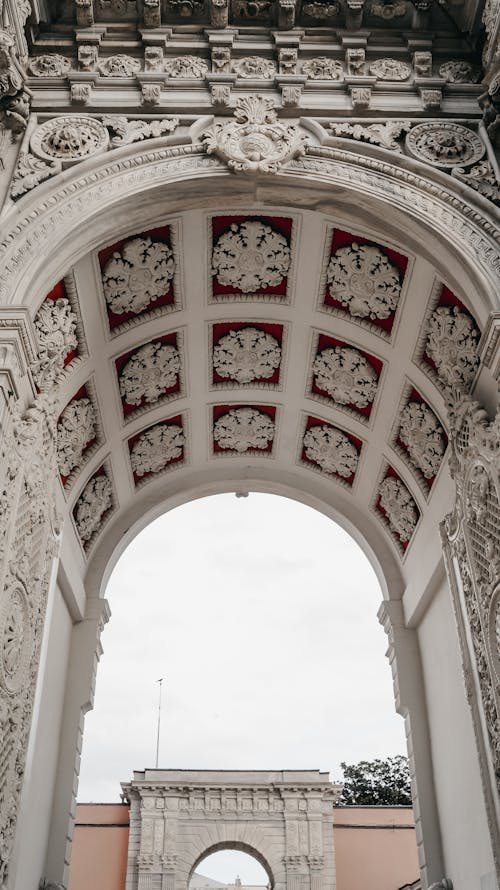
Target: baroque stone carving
x,y
55,325
390,69
119,66
81,93
84,13
423,436
219,13
459,71
422,64
364,280
30,172
14,96
15,637
346,375
138,274
452,345
87,57
444,144
254,67
255,140
185,67
321,9
482,178
69,139
156,448
246,355
389,11
332,450
386,135
94,502
149,372
355,61
322,68
75,429
250,256
127,131
244,429
49,65
399,507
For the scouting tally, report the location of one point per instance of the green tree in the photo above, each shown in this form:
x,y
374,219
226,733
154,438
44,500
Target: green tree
x,y
377,783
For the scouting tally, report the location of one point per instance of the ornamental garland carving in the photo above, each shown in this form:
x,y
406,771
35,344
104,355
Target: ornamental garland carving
x,y
390,69
385,135
332,450
254,67
346,375
459,71
49,65
185,67
119,66
364,280
444,145
255,141
322,68
244,429
69,139
247,355
452,345
94,502
251,256
127,131
55,325
399,507
76,427
138,274
424,438
156,448
149,372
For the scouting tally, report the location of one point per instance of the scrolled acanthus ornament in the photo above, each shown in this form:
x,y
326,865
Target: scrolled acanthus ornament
x,y
76,427
14,96
332,450
399,508
149,372
49,65
322,68
246,355
119,66
363,279
94,502
255,141
156,448
452,345
244,429
459,71
69,139
444,144
385,135
250,256
423,436
55,325
346,375
15,638
127,131
30,172
253,67
186,67
137,275
390,69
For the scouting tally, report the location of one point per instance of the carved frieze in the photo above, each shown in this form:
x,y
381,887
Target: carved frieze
x,y
387,135
120,65
186,67
390,69
126,131
49,65
253,67
322,68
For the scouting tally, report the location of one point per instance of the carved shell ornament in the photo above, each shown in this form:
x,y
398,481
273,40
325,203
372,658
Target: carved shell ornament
x,y
332,450
444,144
70,139
75,429
423,435
452,345
138,274
364,280
255,141
251,256
242,429
346,375
156,448
399,507
149,372
94,501
246,355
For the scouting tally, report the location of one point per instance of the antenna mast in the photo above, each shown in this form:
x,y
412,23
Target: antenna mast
x,y
159,721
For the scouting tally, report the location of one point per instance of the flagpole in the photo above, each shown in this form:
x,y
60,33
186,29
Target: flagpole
x,y
159,720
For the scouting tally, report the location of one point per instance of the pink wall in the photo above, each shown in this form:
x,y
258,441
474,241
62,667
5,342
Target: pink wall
x,y
375,848
100,843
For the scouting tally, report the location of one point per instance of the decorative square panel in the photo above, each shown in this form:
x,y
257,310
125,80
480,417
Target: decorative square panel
x,y
246,354
158,448
419,438
251,258
94,506
243,429
79,434
139,277
396,508
150,374
343,375
329,450
448,348
362,281
59,331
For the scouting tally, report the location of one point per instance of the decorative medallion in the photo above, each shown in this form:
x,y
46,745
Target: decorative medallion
x,y
389,11
156,448
49,65
452,341
255,141
246,355
345,375
253,67
186,67
92,507
250,256
423,437
459,71
321,10
55,326
390,69
16,638
149,373
119,66
243,429
70,139
363,279
444,144
398,507
76,430
332,450
322,68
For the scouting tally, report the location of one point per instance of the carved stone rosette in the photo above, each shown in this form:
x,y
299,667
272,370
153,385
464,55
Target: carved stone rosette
x,y
471,542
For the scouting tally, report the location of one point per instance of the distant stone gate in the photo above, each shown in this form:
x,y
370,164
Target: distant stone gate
x,y
284,819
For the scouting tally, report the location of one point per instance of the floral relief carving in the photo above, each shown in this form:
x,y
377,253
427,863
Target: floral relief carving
x,y
156,448
55,325
149,372
322,68
399,507
69,139
95,500
459,71
244,429
332,450
30,172
424,438
49,65
119,66
127,131
185,67
386,135
251,256
76,427
246,355
390,69
389,11
452,345
16,638
138,274
253,67
444,144
364,280
346,375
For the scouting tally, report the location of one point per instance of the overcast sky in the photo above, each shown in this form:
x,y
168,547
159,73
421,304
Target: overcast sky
x,y
260,614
